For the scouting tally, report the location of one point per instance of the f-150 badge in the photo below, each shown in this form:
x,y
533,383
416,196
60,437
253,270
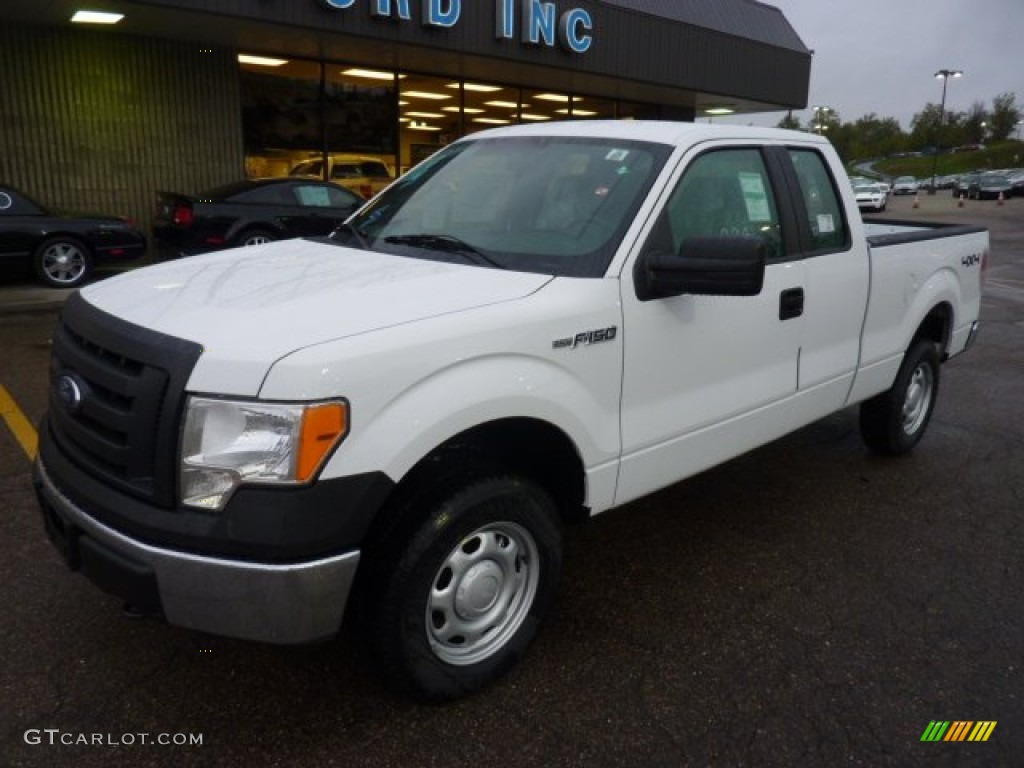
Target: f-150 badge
x,y
586,338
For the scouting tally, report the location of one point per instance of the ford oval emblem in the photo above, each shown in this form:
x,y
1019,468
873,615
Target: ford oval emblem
x,y
69,393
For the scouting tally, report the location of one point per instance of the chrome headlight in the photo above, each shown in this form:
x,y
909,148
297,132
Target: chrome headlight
x,y
228,443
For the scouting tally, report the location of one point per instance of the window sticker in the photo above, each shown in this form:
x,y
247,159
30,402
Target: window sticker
x,y
617,155
826,224
755,196
314,196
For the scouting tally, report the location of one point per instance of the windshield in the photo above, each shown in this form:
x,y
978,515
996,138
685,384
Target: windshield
x,y
549,204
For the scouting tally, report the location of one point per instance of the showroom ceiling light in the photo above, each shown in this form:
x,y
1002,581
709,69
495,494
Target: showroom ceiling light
x,y
426,95
478,87
424,114
467,110
504,104
370,74
719,111
260,61
535,118
96,17
414,126
491,120
577,112
559,97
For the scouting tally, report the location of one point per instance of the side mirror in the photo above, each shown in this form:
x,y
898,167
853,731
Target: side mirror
x,y
705,266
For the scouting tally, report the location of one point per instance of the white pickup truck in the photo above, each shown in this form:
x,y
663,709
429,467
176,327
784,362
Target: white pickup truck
x,y
535,325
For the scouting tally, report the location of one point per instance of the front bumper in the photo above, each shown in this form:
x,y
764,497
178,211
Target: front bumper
x,y
285,603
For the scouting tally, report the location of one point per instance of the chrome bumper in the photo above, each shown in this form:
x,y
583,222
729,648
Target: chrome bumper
x,y
269,602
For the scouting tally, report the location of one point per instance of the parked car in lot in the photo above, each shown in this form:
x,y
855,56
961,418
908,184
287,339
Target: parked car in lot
x,y
905,185
63,249
870,196
963,183
249,213
989,186
365,176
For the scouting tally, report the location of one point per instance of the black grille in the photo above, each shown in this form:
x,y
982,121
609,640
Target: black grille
x,y
116,394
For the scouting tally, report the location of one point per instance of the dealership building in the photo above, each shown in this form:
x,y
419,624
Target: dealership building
x,y
99,112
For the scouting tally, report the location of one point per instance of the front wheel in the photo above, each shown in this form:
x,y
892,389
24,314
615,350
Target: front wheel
x,y
893,422
62,262
460,596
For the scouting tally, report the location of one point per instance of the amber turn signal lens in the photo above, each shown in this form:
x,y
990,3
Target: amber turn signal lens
x,y
323,426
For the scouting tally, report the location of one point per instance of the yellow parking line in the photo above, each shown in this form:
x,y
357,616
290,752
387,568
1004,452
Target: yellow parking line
x,y
20,427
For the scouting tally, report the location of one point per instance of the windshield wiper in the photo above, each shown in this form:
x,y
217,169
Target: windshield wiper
x,y
446,243
358,233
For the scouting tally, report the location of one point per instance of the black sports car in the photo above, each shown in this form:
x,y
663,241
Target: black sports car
x,y
62,249
249,213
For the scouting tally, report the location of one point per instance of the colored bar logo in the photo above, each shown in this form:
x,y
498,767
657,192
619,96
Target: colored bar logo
x,y
958,730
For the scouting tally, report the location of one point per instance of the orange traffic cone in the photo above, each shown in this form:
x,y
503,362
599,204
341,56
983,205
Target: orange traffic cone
x,y
1000,199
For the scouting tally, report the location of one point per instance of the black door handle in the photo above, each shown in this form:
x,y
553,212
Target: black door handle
x,y
791,303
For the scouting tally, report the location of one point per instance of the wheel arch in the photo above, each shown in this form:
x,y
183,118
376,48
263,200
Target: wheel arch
x,y
937,326
533,448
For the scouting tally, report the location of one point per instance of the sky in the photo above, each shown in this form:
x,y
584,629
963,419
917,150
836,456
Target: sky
x,y
881,56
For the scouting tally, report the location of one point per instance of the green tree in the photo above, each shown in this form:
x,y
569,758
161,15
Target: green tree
x,y
975,125
872,136
1003,120
932,128
789,122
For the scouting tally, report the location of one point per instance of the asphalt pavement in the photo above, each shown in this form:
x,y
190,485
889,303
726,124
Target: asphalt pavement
x,y
806,604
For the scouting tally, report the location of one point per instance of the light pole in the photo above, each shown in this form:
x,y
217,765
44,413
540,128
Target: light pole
x,y
943,75
819,124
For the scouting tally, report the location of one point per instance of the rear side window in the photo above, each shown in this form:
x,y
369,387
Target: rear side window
x,y
272,194
821,201
375,170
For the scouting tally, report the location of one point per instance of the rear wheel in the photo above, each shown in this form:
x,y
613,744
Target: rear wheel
x,y
893,422
456,598
256,237
62,262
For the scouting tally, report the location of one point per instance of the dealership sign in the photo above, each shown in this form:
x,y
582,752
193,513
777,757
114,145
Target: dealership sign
x,y
539,23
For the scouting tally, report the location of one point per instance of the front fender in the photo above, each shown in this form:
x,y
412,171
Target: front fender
x,y
413,387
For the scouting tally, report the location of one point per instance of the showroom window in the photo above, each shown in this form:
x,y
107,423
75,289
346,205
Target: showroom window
x,y
307,118
361,127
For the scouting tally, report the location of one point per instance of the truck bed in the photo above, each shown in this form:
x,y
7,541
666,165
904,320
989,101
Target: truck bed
x,y
881,232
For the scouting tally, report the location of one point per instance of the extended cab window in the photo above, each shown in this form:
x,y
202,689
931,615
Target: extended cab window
x,y
724,193
824,211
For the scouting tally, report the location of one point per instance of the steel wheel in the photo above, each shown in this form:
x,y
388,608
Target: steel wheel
x,y
919,397
482,593
453,595
62,262
257,238
894,421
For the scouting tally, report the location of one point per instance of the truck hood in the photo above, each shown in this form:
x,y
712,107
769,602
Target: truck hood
x,y
249,307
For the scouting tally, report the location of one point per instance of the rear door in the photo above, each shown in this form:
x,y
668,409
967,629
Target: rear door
x,y
703,376
837,278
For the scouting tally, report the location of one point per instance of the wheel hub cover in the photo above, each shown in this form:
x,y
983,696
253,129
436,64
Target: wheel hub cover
x,y
479,589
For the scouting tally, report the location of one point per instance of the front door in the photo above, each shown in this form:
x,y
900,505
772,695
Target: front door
x,y
707,377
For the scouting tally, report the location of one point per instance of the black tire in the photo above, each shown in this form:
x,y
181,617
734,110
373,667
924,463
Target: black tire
x,y
455,596
256,237
62,262
893,422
